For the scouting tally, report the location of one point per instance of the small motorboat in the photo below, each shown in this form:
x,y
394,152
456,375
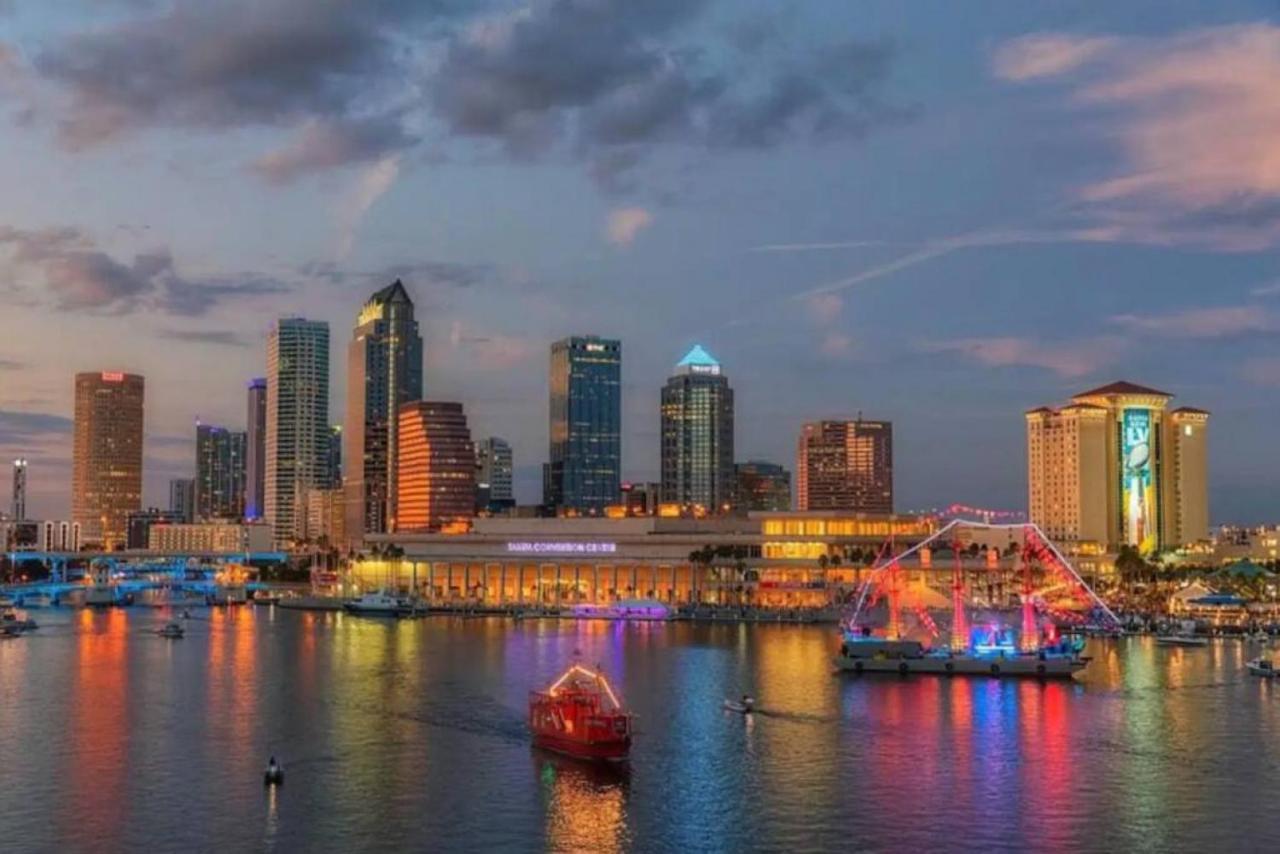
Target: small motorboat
x,y
745,706
579,715
1263,667
274,775
379,604
11,619
171,630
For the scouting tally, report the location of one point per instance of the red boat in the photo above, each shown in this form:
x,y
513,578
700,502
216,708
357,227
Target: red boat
x,y
581,716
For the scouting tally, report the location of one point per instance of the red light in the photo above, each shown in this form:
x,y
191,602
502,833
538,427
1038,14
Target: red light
x,y
112,377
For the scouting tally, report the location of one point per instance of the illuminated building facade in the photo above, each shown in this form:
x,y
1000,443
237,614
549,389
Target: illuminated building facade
x,y
297,421
845,465
255,452
140,523
210,537
762,486
494,475
384,372
106,456
220,473
784,559
437,487
583,474
697,435
1118,467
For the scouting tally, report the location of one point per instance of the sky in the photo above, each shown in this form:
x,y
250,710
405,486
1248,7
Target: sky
x,y
939,214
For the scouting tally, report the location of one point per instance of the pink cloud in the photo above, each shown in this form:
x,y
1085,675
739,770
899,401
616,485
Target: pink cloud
x,y
836,345
625,224
1065,360
1047,54
1262,371
1197,119
1216,322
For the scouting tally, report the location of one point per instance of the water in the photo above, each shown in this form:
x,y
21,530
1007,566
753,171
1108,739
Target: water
x,y
411,736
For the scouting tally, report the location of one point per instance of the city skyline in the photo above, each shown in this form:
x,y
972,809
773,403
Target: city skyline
x,y
1045,250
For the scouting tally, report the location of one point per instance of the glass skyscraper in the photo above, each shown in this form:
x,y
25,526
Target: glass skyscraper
x,y
220,473
494,474
697,435
297,422
384,372
106,455
585,462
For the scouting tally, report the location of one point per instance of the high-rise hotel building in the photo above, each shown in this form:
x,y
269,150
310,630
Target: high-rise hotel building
x,y
697,435
106,456
1117,466
384,372
585,468
436,486
845,465
220,473
297,422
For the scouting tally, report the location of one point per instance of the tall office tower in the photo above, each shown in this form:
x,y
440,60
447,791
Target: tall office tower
x,y
583,474
494,474
762,486
255,451
106,456
19,508
436,486
384,372
220,473
845,465
297,422
697,435
182,499
1117,467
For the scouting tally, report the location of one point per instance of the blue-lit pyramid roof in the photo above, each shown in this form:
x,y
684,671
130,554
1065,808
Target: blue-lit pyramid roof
x,y
697,358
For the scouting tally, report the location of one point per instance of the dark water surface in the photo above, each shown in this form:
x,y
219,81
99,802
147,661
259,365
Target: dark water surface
x,y
411,736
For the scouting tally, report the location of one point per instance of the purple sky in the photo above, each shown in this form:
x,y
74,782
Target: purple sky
x,y
939,214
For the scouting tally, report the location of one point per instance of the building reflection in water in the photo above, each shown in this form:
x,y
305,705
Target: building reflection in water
x,y
98,726
585,804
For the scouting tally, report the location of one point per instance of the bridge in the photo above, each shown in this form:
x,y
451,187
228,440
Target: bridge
x,y
132,571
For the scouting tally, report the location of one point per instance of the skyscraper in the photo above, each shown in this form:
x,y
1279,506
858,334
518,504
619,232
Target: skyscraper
x,y
384,371
297,421
19,508
334,473
1117,467
845,465
255,452
220,473
106,464
697,435
436,486
585,462
762,486
494,474
182,499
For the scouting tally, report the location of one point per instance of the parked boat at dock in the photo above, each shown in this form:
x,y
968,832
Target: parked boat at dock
x,y
1263,667
379,604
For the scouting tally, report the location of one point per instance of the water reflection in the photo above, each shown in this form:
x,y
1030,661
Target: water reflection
x,y
586,804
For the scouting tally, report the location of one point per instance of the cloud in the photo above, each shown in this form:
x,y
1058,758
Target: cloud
x,y
224,65
606,79
1071,361
824,308
322,146
625,223
373,182
836,345
23,427
488,351
82,277
1048,54
1197,118
11,365
1215,322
